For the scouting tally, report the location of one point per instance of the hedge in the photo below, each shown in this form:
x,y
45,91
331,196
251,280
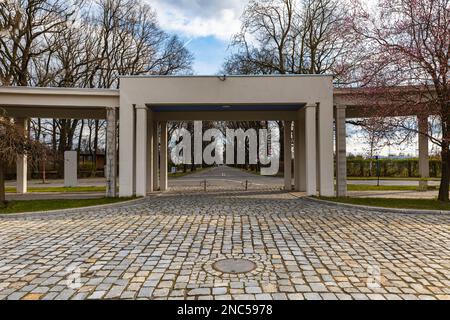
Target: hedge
x,y
407,168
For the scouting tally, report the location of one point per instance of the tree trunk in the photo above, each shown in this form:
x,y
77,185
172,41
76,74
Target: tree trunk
x,y
2,184
62,148
444,188
94,158
54,142
80,137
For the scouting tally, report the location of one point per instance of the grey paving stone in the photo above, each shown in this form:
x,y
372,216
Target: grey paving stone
x,y
164,247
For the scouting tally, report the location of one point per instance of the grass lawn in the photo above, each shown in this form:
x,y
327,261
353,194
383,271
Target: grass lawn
x,y
47,205
363,187
60,189
422,204
390,178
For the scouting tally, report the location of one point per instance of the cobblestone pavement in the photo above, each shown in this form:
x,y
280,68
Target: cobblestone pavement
x,y
164,247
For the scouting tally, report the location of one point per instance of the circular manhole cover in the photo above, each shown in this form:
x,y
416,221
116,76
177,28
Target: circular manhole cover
x,y
234,266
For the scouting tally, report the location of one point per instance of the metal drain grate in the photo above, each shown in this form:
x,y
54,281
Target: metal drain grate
x,y
234,266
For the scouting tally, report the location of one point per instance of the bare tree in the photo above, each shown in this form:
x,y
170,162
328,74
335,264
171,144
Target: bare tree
x,y
24,24
13,143
85,44
292,36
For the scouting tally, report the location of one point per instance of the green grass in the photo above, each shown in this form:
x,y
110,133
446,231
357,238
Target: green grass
x,y
391,178
60,189
48,205
363,187
421,204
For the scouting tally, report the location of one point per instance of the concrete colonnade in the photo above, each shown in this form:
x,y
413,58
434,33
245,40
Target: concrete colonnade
x,y
341,150
151,153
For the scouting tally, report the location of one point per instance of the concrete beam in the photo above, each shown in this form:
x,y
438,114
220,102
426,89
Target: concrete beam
x,y
31,97
226,116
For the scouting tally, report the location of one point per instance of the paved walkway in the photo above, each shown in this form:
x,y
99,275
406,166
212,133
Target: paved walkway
x,y
165,246
223,178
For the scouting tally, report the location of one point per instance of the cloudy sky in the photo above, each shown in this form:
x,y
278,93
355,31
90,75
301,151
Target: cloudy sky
x,y
206,26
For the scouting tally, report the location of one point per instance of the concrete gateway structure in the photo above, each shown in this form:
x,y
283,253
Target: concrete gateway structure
x,y
144,105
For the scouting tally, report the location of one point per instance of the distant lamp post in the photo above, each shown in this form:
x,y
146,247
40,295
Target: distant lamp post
x,y
377,158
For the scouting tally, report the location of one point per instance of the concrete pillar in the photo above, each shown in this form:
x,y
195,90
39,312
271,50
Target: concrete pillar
x,y
288,155
302,151
22,162
310,150
325,145
318,149
296,156
141,151
150,152
127,147
163,183
341,151
424,163
155,157
111,153
70,169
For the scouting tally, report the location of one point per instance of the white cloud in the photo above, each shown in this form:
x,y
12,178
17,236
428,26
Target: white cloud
x,y
200,18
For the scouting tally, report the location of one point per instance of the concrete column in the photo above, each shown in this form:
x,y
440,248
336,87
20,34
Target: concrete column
x,y
111,152
424,163
127,147
296,156
318,149
22,162
310,150
163,158
150,152
70,169
155,157
341,151
288,155
302,151
325,145
141,151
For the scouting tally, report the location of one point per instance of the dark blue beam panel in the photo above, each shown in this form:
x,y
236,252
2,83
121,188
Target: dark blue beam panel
x,y
201,108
